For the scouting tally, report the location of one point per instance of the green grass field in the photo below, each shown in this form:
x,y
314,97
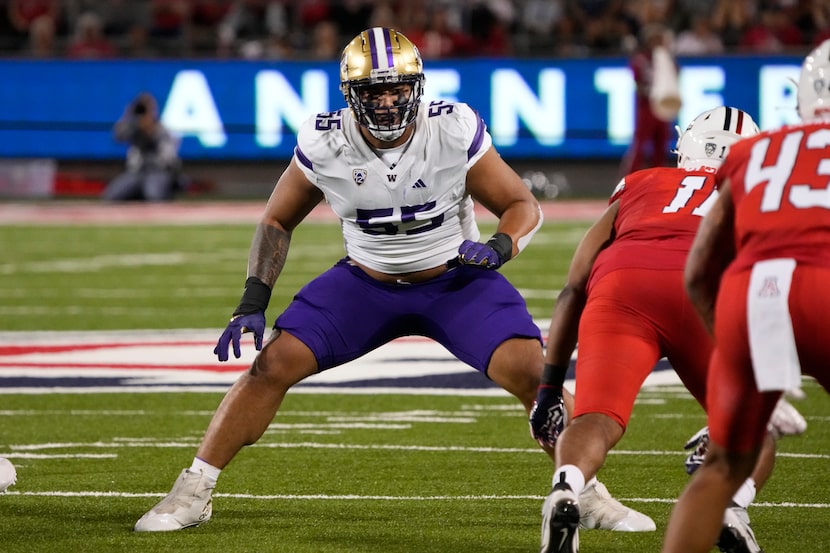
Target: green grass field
x,y
335,473
122,277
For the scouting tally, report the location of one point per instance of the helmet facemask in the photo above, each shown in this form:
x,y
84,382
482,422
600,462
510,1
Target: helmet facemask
x,y
386,109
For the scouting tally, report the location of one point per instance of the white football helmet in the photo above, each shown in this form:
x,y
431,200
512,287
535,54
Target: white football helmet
x,y
380,57
814,84
707,139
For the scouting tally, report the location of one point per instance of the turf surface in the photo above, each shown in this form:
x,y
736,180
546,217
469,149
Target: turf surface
x,y
336,473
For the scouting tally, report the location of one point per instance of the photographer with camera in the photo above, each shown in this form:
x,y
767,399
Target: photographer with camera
x,y
153,165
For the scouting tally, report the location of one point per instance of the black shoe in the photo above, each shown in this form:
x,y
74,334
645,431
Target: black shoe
x,y
736,535
560,521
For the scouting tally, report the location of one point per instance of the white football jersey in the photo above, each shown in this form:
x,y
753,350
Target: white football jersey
x,y
406,213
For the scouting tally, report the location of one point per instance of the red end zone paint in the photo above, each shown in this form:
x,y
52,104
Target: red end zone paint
x,y
134,355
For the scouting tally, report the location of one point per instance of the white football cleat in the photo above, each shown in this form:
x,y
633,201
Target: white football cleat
x,y
8,474
598,510
786,420
188,504
736,535
795,393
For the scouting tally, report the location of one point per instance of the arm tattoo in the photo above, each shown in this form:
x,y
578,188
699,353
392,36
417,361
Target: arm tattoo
x,y
269,249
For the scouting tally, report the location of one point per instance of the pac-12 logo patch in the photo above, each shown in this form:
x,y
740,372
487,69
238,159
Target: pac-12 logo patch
x,y
709,148
359,176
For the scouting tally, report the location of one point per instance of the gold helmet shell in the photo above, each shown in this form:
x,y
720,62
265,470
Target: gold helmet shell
x,y
380,57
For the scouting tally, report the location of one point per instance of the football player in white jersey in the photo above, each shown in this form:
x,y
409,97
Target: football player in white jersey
x,y
402,177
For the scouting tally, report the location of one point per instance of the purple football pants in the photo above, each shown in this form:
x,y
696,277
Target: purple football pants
x,y
344,313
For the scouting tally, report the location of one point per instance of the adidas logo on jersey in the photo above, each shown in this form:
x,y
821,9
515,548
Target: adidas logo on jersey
x,y
419,184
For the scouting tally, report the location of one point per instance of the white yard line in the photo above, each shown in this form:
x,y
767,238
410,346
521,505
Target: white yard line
x,y
356,497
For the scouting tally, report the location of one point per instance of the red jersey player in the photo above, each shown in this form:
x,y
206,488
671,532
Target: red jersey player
x,y
757,274
625,300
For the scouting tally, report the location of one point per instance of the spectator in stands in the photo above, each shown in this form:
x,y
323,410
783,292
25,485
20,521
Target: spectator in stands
x,y
153,165
772,32
383,15
311,12
351,16
731,18
169,23
434,36
699,40
248,24
547,27
88,41
125,23
325,44
683,12
42,38
604,23
205,17
490,24
539,17
22,13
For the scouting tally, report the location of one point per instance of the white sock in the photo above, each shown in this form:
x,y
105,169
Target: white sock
x,y
745,494
573,477
210,472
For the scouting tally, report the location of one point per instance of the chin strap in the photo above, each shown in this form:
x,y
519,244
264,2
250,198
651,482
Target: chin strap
x,y
387,136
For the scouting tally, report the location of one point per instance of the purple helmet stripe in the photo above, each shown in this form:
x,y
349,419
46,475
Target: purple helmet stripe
x,y
478,138
387,38
373,49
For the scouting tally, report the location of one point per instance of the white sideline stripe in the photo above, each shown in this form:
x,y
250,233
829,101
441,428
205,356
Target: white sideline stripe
x,y
60,456
353,497
386,447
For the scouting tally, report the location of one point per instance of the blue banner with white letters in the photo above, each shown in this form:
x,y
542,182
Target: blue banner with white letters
x,y
241,110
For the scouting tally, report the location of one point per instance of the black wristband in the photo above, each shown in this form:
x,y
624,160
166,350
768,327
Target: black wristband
x,y
502,244
255,298
554,375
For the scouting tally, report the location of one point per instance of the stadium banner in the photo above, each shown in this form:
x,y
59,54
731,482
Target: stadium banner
x,y
244,110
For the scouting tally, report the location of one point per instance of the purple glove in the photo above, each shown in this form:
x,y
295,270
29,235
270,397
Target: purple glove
x,y
481,255
547,416
252,322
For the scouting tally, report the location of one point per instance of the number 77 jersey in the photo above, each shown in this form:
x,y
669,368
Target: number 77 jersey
x,y
780,185
660,210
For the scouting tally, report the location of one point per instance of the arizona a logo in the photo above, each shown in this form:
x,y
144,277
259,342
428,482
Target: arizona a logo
x,y
769,288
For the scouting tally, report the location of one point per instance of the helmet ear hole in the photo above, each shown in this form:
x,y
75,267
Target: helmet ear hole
x,y
707,139
382,57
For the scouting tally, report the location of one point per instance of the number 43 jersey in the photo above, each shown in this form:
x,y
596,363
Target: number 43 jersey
x,y
402,210
779,184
